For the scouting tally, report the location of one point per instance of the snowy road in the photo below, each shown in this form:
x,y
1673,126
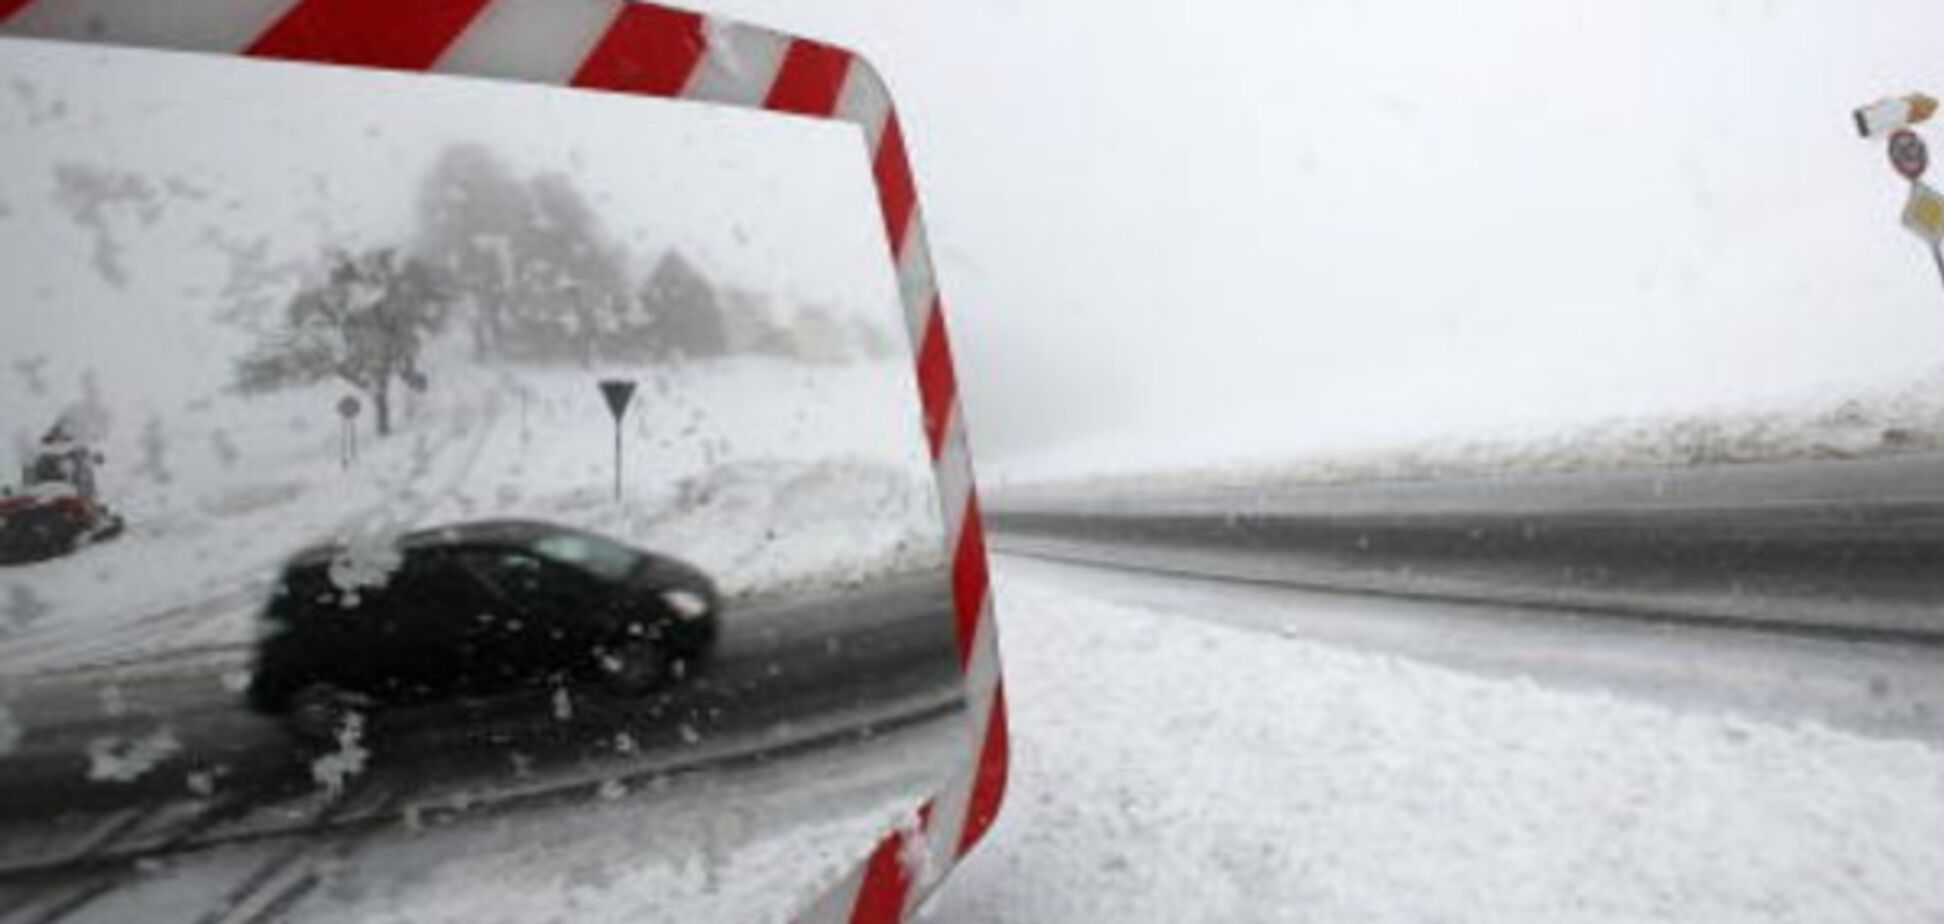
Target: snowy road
x,y
741,839
1194,751
790,677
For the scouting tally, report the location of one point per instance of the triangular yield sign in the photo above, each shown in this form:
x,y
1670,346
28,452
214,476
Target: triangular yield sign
x,y
617,392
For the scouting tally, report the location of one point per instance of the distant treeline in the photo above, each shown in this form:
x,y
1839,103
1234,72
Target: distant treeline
x,y
525,273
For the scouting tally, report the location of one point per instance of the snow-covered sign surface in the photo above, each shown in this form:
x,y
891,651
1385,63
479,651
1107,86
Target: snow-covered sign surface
x,y
753,679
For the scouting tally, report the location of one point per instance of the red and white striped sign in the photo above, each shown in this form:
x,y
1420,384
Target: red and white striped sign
x,y
653,50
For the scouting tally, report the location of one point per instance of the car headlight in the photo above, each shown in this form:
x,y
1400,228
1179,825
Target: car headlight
x,y
686,603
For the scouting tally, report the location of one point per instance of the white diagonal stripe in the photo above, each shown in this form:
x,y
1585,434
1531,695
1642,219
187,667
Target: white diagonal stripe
x,y
740,64
982,669
954,478
192,25
916,287
941,841
544,41
863,100
981,691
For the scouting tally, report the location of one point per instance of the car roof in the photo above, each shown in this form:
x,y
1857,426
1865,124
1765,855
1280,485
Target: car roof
x,y
474,533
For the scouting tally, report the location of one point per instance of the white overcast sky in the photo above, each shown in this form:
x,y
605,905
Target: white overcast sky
x,y
300,158
1309,226
1218,229
331,155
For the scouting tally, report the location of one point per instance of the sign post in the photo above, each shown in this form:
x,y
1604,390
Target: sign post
x,y
1924,215
1923,212
348,408
618,392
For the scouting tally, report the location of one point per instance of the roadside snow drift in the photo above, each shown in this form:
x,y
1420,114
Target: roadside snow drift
x,y
1167,769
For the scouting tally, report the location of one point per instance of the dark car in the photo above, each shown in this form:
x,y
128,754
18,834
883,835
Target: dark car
x,y
475,610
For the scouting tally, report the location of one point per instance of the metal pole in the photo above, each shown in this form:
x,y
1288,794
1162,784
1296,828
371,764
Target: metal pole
x,y
617,461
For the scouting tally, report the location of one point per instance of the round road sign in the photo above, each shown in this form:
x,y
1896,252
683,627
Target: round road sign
x,y
1907,153
349,406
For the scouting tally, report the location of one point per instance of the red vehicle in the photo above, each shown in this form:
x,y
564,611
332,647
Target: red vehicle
x,y
38,525
57,512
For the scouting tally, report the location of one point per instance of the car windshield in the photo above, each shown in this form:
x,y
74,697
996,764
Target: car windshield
x,y
600,557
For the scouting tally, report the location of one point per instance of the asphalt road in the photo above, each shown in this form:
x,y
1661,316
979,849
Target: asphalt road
x,y
788,675
1879,689
1849,548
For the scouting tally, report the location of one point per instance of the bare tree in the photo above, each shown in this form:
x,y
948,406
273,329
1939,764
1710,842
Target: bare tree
x,y
366,325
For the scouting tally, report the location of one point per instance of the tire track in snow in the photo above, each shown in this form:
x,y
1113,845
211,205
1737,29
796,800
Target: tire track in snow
x,y
104,871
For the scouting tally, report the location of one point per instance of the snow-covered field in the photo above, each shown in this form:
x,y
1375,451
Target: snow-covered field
x,y
1169,769
769,475
1845,424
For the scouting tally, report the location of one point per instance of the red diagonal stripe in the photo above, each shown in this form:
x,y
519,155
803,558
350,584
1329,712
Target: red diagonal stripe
x,y
896,195
809,80
10,7
647,49
989,787
936,385
969,580
369,33
881,898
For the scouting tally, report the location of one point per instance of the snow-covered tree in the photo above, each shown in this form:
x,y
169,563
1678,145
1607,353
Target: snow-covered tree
x,y
685,315
365,324
539,277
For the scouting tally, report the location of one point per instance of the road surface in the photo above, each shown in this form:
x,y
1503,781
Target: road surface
x,y
1846,547
855,670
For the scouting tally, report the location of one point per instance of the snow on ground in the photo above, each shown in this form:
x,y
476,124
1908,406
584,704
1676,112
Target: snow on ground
x,y
1167,769
747,842
769,474
1860,423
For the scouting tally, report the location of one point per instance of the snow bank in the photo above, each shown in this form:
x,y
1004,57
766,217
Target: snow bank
x,y
1167,769
1862,424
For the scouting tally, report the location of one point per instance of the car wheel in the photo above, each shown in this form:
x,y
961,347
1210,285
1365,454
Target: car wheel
x,y
635,667
323,714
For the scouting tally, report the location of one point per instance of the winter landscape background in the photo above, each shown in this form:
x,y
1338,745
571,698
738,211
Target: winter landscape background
x,y
196,302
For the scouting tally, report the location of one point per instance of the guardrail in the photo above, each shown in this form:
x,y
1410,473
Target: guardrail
x,y
1853,549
